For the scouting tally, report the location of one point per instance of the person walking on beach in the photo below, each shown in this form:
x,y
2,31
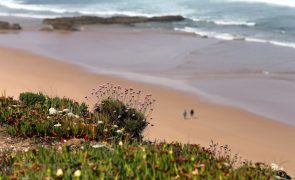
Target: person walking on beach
x,y
184,114
192,112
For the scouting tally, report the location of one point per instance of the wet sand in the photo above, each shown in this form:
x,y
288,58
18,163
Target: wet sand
x,y
251,136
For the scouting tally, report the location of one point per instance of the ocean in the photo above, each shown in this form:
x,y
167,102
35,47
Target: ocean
x,y
263,21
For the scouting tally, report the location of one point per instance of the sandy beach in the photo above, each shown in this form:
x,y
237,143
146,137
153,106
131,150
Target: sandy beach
x,y
251,136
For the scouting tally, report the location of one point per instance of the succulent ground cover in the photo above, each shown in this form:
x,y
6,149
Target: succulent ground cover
x,y
57,138
127,161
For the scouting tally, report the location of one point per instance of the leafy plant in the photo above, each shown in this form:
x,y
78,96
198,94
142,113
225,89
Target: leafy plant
x,y
29,98
130,119
124,107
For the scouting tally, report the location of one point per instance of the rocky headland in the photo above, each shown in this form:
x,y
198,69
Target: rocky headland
x,y
74,23
4,25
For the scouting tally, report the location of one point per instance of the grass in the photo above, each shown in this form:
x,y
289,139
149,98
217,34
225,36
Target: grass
x,y
111,149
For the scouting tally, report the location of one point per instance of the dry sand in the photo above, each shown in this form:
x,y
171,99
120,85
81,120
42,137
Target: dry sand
x,y
253,137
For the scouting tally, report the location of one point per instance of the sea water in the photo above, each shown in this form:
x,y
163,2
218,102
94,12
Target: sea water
x,y
263,21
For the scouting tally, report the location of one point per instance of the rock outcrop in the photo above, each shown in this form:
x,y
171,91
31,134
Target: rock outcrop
x,y
7,26
73,23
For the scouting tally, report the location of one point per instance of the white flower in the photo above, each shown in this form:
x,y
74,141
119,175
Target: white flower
x,y
59,173
66,110
99,122
115,126
274,166
52,111
98,146
77,173
57,125
120,143
119,131
70,114
226,164
48,117
59,112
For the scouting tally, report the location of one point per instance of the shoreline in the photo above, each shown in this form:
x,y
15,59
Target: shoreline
x,y
181,61
35,23
247,134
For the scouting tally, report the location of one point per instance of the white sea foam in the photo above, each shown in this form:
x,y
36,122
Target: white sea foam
x,y
12,4
287,3
35,16
284,44
256,40
122,13
236,23
228,37
276,43
209,34
225,22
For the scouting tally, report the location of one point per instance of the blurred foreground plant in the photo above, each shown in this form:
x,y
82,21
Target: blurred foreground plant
x,y
123,107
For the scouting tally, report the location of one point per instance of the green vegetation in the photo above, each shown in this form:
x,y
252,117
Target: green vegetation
x,y
130,119
129,161
113,148
29,98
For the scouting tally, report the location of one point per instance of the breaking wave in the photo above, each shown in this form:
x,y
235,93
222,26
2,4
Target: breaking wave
x,y
231,37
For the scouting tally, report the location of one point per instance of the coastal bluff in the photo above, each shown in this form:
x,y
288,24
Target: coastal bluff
x,y
73,23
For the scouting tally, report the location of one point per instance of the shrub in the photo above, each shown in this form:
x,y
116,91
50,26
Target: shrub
x,y
133,121
124,107
30,99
